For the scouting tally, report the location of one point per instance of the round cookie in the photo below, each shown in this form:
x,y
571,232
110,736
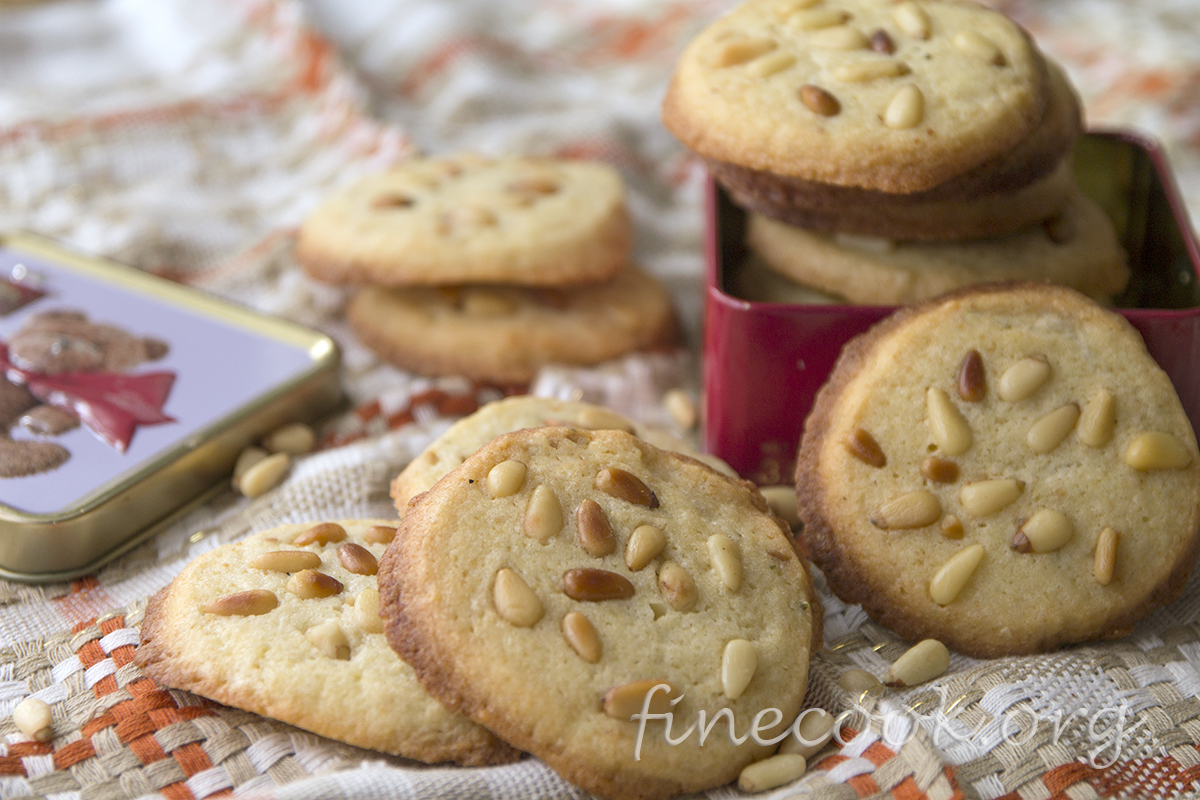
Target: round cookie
x,y
469,219
1077,248
890,97
506,334
1004,469
321,662
552,639
753,280
517,413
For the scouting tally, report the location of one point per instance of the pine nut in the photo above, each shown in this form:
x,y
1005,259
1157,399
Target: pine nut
x,y
357,559
515,601
771,772
295,439
739,51
379,534
1156,450
250,603
922,662
245,460
939,470
862,445
975,45
984,498
859,682
906,108
1099,420
645,544
972,378
862,71
581,635
544,517
33,717
308,584
286,560
389,201
727,560
533,184
330,640
815,729
839,37
677,402
1106,556
1023,379
950,431
601,419
1044,532
951,527
596,585
789,7
322,533
912,19
738,666
677,587
782,501
767,66
505,479
912,510
817,18
882,43
592,531
366,606
264,475
819,101
1050,431
622,702
951,578
625,486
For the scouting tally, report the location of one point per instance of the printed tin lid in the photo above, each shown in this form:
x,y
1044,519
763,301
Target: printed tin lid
x,y
126,396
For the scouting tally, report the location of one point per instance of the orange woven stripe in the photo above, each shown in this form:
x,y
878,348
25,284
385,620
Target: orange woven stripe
x,y
151,701
122,655
136,727
829,762
907,790
11,765
958,793
84,584
112,623
192,758
94,726
71,754
90,653
143,686
196,712
865,785
1066,776
177,791
162,717
21,749
147,749
106,686
878,754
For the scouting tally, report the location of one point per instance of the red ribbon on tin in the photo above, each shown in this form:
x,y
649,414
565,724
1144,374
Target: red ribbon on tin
x,y
111,404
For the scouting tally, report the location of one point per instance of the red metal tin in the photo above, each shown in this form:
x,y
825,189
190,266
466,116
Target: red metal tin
x,y
764,362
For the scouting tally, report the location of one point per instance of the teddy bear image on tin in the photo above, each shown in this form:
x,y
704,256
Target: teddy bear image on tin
x,y
61,369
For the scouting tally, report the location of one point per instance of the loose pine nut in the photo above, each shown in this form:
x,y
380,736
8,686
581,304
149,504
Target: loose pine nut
x,y
782,500
922,662
308,584
765,67
250,603
1099,420
592,531
984,498
322,533
839,37
1106,556
1044,532
622,702
863,71
738,666
739,51
330,640
950,431
645,544
33,717
295,439
506,478
1050,431
677,587
1156,450
1023,379
906,108
515,601
862,445
727,560
817,18
264,475
859,682
366,606
815,729
771,772
951,578
581,635
912,19
939,470
544,517
912,510
286,561
975,45
245,460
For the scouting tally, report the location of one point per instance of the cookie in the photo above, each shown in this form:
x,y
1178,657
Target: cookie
x,y
285,624
506,334
516,413
883,96
753,280
1077,248
1004,469
469,219
600,566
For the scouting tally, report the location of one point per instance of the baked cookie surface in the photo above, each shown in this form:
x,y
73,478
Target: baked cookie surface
x,y
1004,469
598,567
469,219
506,334
291,631
894,97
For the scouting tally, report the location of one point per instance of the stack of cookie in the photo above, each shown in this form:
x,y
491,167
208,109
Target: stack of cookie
x,y
892,151
489,268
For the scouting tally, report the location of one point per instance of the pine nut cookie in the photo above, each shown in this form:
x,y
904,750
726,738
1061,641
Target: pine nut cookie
x,y
597,566
505,334
1004,469
874,94
1076,247
517,413
470,219
285,623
